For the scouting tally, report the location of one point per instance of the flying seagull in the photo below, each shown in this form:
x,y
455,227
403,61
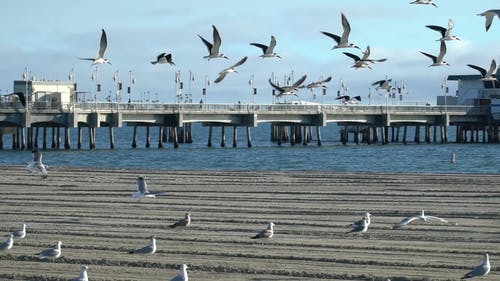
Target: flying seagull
x,y
268,51
438,61
213,49
490,14
164,58
142,190
100,53
149,249
424,2
487,75
265,233
319,84
182,276
20,233
288,90
445,32
230,69
383,84
348,100
481,270
7,244
83,274
51,253
186,221
342,41
365,60
36,165
422,217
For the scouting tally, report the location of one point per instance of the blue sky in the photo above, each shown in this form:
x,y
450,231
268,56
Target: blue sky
x,y
49,36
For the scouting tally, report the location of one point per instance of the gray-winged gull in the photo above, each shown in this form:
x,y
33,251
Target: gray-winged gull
x,y
182,222
51,253
36,166
422,217
481,270
20,233
7,244
142,190
83,274
182,276
265,233
149,249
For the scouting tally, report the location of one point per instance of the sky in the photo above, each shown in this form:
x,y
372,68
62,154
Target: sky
x,y
47,37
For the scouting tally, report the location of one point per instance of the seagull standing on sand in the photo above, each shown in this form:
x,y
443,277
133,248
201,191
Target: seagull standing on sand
x,y
83,274
230,69
268,51
7,244
163,58
20,233
213,49
422,217
100,53
149,249
481,270
288,90
342,41
265,233
360,228
445,32
490,14
487,75
51,253
36,165
182,276
438,61
366,217
186,221
424,2
142,190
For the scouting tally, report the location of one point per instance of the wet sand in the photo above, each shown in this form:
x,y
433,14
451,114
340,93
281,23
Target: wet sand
x,y
93,214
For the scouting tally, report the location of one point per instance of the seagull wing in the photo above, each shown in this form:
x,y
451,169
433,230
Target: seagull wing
x,y
103,44
433,58
479,270
276,86
208,44
299,82
222,75
327,79
169,59
406,221
347,29
272,44
437,28
353,56
436,219
217,40
242,61
333,36
493,68
478,68
142,186
442,51
160,56
262,46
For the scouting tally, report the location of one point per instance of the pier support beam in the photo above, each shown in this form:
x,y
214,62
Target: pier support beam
x,y
67,144
148,137
53,145
210,131
111,138
44,141
160,136
80,137
134,137
405,130
318,135
235,136
176,138
223,137
249,138
35,138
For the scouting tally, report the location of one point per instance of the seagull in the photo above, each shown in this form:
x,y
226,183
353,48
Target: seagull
x,y
445,32
319,84
342,42
360,228
142,190
366,217
422,217
383,84
21,97
268,51
36,165
288,90
182,276
365,60
83,274
213,49
487,75
51,253
265,233
481,270
7,244
424,2
147,250
438,61
230,69
20,233
348,100
164,58
100,53
186,221
490,14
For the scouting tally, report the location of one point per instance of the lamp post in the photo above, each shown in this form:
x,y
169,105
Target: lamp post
x,y
131,81
95,78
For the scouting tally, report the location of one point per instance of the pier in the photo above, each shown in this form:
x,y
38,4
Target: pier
x,y
293,123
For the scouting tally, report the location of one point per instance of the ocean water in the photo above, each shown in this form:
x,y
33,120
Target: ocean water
x,y
265,155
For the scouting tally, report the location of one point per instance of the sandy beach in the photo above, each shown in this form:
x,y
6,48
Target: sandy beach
x,y
91,211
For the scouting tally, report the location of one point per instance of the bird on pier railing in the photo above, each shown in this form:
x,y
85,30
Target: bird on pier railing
x,y
103,44
288,90
163,58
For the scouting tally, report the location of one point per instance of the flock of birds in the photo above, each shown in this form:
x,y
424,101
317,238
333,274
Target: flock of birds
x,y
341,42
358,227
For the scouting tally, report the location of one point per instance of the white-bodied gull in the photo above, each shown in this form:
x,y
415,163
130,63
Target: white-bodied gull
x,y
163,58
383,85
487,75
365,60
182,276
142,190
268,51
481,270
213,49
445,32
489,14
8,243
342,41
186,221
265,233
438,61
319,84
360,228
288,90
20,233
103,44
51,253
36,166
83,274
421,217
230,69
366,217
149,249
349,100
424,2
